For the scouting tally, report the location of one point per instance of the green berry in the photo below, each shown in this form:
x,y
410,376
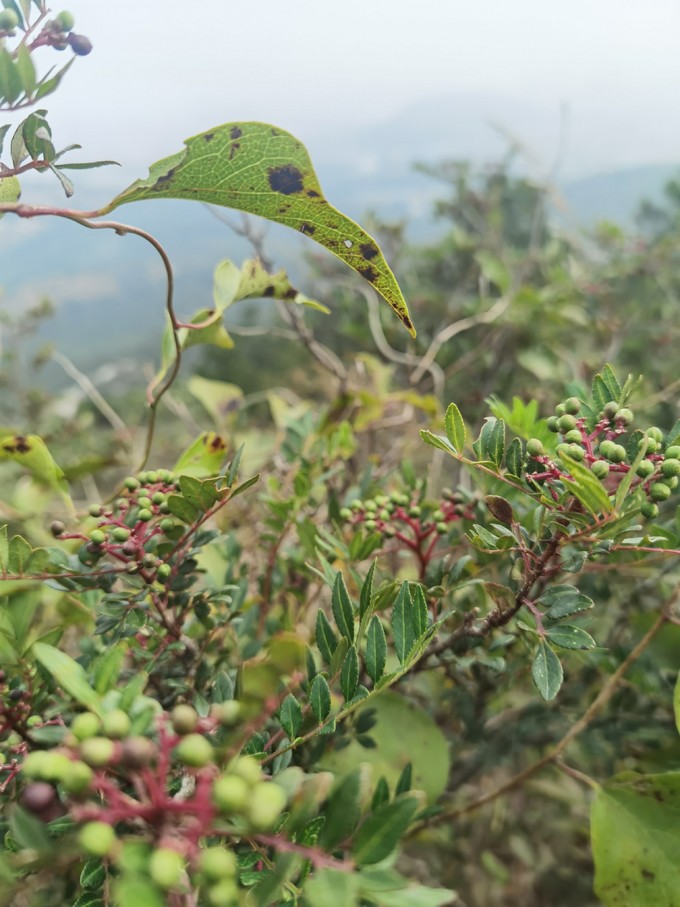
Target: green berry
x,y
442,528
223,893
120,534
95,510
671,481
655,434
34,720
144,502
600,469
77,778
56,766
230,793
384,515
572,406
574,436
218,863
194,750
144,515
34,764
610,409
266,803
164,571
624,416
168,525
8,20
57,528
535,447
227,713
560,410
649,510
158,498
618,454
670,467
97,537
414,511
566,423
673,452
248,768
166,867
659,492
645,469
551,422
151,478
370,506
438,516
184,719
370,525
97,752
357,504
345,513
131,483
116,724
65,20
97,838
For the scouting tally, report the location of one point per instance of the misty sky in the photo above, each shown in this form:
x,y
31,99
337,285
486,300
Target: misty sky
x,y
163,70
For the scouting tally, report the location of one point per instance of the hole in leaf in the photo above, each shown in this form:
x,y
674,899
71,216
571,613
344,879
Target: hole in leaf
x,y
348,243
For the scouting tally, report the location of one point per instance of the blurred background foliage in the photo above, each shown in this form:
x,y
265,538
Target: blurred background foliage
x,y
508,302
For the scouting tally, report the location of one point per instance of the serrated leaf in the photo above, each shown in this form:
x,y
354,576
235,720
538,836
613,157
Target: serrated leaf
x,y
264,170
367,591
546,671
376,649
636,839
602,395
290,716
490,445
455,428
341,604
569,637
402,623
69,675
563,600
420,613
326,640
436,441
612,382
586,487
514,459
380,834
320,698
349,677
93,875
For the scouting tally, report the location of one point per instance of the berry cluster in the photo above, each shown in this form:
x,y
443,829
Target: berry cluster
x,y
174,779
600,449
137,531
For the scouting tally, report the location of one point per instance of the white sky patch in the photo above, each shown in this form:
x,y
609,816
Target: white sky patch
x,y
60,289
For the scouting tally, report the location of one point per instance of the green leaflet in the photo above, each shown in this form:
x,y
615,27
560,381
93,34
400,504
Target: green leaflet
x,y
264,170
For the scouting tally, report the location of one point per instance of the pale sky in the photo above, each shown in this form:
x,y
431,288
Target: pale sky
x,y
162,70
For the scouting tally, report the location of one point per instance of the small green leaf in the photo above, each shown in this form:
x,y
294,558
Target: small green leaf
x,y
26,69
586,487
93,875
405,780
27,831
349,677
31,452
290,716
490,445
546,671
69,675
204,457
420,613
234,466
563,600
326,640
10,79
341,604
263,170
455,428
569,637
381,794
320,698
402,623
514,460
380,834
376,649
367,591
201,495
182,509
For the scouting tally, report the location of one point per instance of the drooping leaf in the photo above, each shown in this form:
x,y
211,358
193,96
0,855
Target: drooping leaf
x,y
636,840
546,671
263,170
376,649
381,832
436,441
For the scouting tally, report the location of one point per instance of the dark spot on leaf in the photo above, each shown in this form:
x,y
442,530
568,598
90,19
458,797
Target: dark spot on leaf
x,y
290,293
310,193
286,179
165,178
368,250
235,132
369,273
308,229
209,136
234,148
275,131
406,321
216,443
268,291
19,445
646,874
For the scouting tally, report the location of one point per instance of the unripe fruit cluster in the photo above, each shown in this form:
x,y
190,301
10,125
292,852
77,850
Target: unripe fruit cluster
x,y
392,515
601,450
